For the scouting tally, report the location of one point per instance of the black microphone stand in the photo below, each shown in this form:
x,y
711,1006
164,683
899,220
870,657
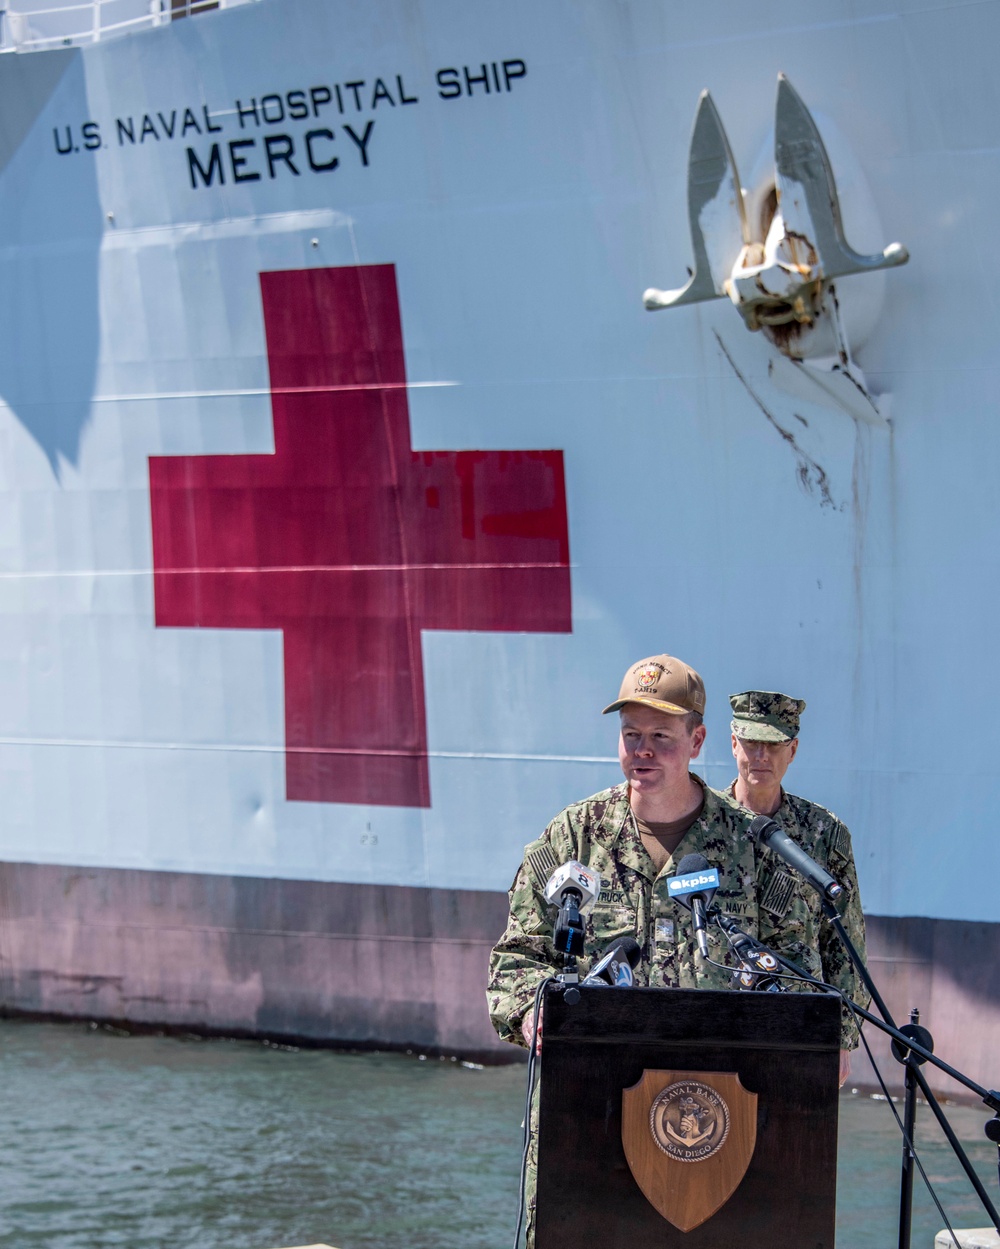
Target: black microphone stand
x,y
910,1060
913,1046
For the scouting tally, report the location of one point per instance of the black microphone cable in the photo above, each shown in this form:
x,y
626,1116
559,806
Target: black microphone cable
x,y
774,975
910,1145
532,1081
799,975
625,945
793,973
887,1097
822,987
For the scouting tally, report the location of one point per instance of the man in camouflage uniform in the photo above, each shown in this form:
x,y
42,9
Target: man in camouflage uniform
x,y
634,835
765,738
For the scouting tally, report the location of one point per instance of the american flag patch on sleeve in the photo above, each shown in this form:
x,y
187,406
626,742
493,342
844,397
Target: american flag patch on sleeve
x,y
541,863
778,894
840,842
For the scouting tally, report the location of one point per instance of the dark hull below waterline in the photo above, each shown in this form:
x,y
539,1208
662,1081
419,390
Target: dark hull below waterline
x,y
372,966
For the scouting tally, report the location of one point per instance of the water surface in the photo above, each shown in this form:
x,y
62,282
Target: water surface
x,y
155,1142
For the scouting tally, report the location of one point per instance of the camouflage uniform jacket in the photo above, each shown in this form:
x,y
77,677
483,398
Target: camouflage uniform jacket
x,y
806,936
601,833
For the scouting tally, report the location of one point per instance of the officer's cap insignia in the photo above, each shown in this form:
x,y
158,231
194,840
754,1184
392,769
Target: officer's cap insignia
x,y
647,677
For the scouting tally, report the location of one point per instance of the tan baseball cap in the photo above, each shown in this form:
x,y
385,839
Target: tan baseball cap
x,y
766,716
663,682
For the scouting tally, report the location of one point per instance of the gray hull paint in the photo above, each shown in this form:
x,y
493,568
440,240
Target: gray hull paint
x,y
949,970
335,963
373,966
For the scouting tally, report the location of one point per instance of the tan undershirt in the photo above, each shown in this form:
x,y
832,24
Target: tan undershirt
x,y
662,839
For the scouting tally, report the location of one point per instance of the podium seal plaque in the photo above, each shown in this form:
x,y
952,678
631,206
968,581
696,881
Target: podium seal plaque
x,y
688,1138
689,1121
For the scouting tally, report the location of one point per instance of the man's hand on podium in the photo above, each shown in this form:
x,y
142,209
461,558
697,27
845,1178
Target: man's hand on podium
x,y
527,1030
845,1066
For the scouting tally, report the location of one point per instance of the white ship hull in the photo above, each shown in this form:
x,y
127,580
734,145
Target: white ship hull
x,y
280,707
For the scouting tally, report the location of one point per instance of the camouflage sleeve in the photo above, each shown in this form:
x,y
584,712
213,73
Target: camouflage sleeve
x,y
525,955
837,966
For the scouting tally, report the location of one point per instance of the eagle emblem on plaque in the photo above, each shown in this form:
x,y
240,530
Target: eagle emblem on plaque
x,y
688,1138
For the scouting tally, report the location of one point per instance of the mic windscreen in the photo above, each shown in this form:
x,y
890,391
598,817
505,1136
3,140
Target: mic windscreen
x,y
615,965
761,828
575,877
629,949
692,863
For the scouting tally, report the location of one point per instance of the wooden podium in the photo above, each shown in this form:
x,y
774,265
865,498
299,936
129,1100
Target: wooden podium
x,y
728,1103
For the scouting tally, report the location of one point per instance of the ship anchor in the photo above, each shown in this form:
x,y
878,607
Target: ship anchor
x,y
783,285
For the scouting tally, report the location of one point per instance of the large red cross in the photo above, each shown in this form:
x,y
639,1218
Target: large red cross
x,y
350,542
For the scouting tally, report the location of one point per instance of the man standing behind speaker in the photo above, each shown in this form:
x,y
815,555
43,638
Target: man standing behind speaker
x,y
765,737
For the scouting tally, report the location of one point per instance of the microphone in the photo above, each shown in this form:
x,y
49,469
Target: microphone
x,y
571,878
741,942
760,967
614,967
766,832
694,887
761,974
574,889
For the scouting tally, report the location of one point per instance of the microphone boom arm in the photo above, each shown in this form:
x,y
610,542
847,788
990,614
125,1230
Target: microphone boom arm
x,y
886,1024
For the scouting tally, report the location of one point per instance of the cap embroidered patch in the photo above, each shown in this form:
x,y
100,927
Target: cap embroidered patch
x,y
647,677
